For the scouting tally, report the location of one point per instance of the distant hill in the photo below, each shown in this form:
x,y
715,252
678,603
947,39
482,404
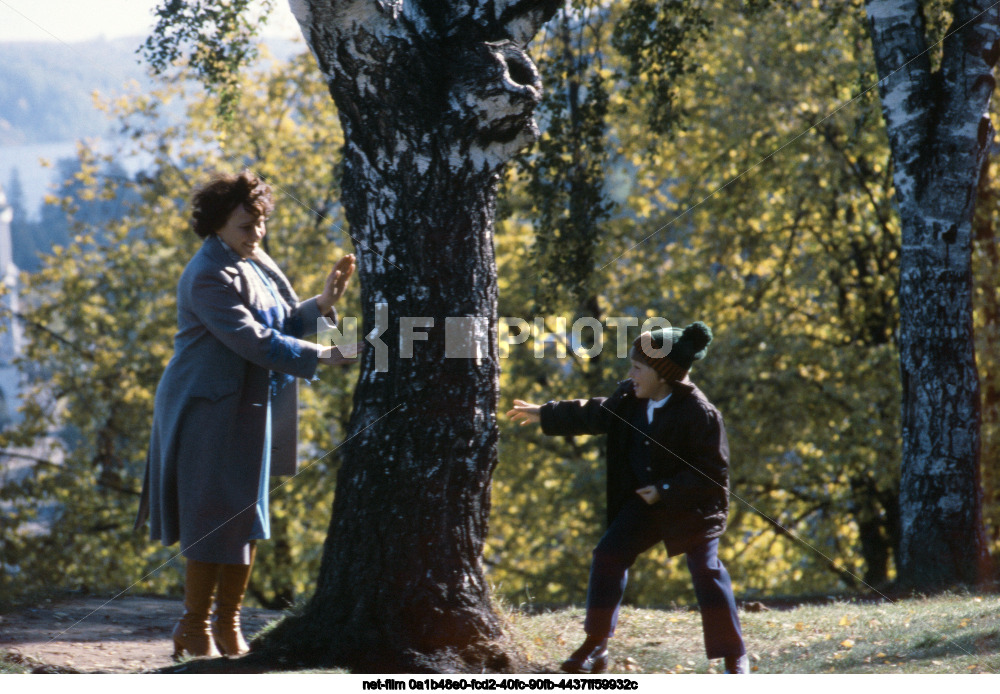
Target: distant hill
x,y
46,88
46,102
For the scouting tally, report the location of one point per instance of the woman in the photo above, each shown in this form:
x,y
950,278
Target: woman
x,y
225,415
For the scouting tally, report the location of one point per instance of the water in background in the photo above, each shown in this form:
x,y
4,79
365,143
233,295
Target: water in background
x,y
37,179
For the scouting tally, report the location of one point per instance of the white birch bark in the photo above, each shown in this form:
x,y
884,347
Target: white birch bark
x,y
940,134
434,98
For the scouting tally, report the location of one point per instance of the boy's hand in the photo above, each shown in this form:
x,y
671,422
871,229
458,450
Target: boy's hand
x,y
649,494
525,411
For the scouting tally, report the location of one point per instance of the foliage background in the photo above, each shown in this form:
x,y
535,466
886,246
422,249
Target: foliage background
x,y
683,172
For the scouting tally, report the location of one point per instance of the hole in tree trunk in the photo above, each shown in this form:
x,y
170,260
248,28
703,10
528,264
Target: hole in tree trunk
x,y
520,71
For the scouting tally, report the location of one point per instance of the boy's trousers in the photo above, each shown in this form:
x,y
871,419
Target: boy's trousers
x,y
633,532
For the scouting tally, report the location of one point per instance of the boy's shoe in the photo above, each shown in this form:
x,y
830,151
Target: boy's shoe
x,y
737,665
589,659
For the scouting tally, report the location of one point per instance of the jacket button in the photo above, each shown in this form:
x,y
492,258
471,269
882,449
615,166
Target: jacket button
x,y
646,442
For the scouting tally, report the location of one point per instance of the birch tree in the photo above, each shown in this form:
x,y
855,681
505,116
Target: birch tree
x,y
940,134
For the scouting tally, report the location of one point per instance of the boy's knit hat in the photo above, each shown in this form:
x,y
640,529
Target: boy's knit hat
x,y
673,350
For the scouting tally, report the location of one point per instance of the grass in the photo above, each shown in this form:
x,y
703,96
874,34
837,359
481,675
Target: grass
x,y
944,634
947,634
11,664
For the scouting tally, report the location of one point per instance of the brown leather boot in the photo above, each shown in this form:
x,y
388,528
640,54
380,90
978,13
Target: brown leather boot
x,y
233,582
193,634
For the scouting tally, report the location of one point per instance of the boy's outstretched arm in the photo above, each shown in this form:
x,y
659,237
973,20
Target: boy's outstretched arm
x,y
525,412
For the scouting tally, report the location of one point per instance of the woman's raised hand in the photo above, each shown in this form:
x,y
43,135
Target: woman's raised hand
x,y
526,412
336,283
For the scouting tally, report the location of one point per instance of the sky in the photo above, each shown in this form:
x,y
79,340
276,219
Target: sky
x,y
70,21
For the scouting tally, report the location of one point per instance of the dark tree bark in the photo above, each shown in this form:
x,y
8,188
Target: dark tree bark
x,y
940,135
877,515
434,97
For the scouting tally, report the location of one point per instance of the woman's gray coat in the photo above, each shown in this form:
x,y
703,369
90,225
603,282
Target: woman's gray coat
x,y
206,447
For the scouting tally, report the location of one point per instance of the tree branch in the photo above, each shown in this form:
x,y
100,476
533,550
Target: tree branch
x,y
904,68
32,458
970,53
522,19
38,326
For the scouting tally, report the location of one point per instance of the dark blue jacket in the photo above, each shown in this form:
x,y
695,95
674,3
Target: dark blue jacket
x,y
688,454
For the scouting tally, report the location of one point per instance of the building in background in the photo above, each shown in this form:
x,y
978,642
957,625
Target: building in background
x,y
10,328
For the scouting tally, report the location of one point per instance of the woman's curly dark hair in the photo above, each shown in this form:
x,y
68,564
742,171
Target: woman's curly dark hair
x,y
214,201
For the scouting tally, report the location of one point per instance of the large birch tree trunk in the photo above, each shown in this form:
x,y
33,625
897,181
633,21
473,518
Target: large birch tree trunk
x,y
434,97
940,135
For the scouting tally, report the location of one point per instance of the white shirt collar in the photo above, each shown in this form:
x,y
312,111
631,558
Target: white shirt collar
x,y
651,406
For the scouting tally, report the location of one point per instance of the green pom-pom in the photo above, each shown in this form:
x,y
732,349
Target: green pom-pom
x,y
698,335
690,346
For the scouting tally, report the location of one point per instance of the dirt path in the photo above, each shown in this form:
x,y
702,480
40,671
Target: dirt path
x,y
130,634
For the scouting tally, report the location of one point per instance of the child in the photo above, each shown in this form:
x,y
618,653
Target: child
x,y
668,480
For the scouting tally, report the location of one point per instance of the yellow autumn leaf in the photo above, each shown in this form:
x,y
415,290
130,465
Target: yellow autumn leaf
x,y
847,643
